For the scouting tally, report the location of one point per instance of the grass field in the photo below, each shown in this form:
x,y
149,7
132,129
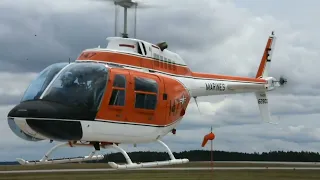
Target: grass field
x,y
171,175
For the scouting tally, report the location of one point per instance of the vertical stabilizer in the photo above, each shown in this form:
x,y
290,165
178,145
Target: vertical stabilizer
x,y
266,58
262,100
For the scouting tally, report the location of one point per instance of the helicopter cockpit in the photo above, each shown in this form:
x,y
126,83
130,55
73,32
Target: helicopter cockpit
x,y
78,85
65,91
41,82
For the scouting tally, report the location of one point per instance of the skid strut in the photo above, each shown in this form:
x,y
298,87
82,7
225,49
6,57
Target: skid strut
x,y
131,165
45,159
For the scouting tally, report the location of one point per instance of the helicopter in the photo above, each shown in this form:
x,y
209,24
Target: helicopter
x,y
131,91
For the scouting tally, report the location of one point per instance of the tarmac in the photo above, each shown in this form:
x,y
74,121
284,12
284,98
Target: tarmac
x,y
159,169
183,168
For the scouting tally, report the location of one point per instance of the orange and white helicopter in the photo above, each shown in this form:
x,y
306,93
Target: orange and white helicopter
x,y
129,92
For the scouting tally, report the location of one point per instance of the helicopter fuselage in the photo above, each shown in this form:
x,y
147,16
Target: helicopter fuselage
x,y
117,95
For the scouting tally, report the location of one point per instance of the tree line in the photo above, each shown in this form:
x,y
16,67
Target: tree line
x,y
203,155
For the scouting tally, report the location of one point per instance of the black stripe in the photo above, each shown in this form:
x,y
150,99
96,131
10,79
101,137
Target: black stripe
x,y
135,124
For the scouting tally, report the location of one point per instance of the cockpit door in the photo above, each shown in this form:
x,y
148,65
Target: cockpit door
x,y
146,104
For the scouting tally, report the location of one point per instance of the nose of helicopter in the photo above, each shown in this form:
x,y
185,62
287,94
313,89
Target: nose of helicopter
x,y
52,120
57,102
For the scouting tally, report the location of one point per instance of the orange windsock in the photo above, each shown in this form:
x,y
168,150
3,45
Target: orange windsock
x,y
208,137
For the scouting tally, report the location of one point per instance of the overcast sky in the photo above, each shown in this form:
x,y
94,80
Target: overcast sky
x,y
226,37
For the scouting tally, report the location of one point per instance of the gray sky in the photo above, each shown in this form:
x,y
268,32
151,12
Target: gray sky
x,y
226,37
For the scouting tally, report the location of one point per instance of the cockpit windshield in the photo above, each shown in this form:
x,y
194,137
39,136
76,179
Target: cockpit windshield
x,y
80,85
39,84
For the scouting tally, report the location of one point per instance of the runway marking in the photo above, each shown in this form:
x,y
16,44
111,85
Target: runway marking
x,y
160,169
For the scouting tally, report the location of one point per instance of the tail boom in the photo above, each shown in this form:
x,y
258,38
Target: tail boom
x,y
207,87
202,84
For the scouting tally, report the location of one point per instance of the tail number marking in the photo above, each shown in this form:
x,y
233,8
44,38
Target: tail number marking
x,y
262,101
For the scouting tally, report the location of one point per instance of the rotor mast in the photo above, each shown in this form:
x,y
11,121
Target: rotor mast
x,y
126,4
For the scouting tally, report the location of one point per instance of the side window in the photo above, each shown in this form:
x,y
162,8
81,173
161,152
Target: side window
x,y
118,91
146,93
139,48
144,47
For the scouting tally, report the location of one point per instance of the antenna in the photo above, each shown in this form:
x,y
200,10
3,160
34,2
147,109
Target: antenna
x,y
195,99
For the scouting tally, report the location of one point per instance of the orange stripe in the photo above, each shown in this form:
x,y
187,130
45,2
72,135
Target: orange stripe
x,y
135,61
156,65
224,77
118,88
145,92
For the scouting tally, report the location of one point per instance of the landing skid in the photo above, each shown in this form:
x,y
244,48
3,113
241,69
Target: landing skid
x,y
45,159
92,156
131,165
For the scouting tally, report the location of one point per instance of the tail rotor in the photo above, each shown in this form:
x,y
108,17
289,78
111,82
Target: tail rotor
x,y
282,81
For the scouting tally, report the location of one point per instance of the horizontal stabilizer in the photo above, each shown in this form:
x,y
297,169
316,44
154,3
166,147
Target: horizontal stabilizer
x,y
264,107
